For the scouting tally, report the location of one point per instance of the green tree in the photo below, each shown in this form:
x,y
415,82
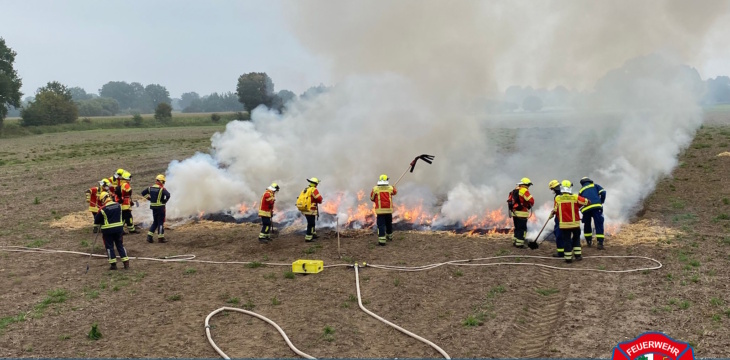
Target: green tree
x,y
156,94
52,105
98,107
187,98
120,91
10,83
78,94
163,112
255,89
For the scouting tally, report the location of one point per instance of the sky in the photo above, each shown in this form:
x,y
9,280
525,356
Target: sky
x,y
204,46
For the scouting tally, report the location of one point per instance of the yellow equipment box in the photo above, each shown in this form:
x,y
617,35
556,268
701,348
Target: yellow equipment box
x,y
307,266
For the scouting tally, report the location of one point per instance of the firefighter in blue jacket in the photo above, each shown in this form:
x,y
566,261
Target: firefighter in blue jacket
x,y
597,196
158,197
109,218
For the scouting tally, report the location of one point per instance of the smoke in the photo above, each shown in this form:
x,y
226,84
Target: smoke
x,y
410,76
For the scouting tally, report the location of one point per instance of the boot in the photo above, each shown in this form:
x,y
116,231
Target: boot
x,y
161,240
113,266
126,265
578,257
133,231
150,239
263,240
589,242
568,261
600,246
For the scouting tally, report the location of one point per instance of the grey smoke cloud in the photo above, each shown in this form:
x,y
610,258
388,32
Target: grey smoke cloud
x,y
409,73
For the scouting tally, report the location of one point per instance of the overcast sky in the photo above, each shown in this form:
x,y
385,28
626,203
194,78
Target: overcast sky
x,y
186,45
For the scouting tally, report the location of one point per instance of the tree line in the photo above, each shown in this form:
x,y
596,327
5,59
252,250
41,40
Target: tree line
x,y
56,103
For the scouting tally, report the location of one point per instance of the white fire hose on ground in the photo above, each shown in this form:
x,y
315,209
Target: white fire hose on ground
x,y
468,262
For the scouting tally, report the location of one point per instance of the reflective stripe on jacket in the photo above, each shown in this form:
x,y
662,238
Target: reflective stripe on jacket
x,y
92,196
267,203
382,196
566,208
110,218
157,195
595,194
521,207
126,196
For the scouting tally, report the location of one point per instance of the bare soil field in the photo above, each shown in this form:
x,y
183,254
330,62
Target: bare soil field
x,y
157,309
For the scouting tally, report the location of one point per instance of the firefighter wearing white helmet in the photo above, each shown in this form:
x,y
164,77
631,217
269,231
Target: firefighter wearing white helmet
x,y
519,203
382,195
158,197
266,212
308,203
567,208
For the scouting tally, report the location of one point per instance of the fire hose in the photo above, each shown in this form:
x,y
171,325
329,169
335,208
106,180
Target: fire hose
x,y
467,262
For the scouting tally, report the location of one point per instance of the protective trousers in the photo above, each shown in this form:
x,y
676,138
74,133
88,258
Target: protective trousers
x,y
111,240
311,232
596,215
558,237
127,219
385,228
265,227
520,230
158,222
571,241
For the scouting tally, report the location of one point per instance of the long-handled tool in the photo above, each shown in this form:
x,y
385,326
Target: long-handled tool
x,y
533,244
412,165
88,261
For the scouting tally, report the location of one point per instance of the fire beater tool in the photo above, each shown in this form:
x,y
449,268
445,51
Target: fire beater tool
x,y
533,244
91,251
412,165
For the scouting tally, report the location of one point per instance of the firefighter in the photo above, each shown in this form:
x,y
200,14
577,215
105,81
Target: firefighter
x,y
115,184
382,195
567,209
109,218
597,196
126,201
266,212
92,198
520,202
158,197
555,187
312,199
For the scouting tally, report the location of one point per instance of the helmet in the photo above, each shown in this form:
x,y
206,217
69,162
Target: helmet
x,y
525,181
160,178
119,173
126,175
383,180
314,181
553,184
586,180
104,197
566,187
104,182
274,187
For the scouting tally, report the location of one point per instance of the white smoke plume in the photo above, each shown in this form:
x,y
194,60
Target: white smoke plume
x,y
409,75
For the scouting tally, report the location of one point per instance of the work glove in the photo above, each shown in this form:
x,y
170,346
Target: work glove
x,y
552,215
533,244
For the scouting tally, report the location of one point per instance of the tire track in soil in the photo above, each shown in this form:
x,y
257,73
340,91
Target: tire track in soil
x,y
531,330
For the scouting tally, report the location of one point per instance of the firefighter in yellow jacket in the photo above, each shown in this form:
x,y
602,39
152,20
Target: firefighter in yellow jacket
x,y
382,195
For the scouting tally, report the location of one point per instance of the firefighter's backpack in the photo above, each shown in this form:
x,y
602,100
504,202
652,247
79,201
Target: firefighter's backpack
x,y
304,201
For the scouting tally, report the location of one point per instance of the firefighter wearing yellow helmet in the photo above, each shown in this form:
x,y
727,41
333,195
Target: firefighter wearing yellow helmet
x,y
126,202
382,195
158,197
567,208
519,203
109,220
308,203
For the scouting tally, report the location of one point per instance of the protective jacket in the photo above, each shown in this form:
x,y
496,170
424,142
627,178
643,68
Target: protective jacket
x,y
126,195
316,199
521,201
157,195
594,193
382,196
116,188
110,218
267,203
92,197
567,210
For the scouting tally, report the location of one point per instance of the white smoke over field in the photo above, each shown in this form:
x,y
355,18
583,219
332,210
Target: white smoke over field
x,y
409,74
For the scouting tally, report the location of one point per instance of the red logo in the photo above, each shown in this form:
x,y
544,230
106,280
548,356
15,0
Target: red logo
x,y
653,346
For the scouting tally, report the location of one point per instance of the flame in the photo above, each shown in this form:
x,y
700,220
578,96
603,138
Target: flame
x,y
200,214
